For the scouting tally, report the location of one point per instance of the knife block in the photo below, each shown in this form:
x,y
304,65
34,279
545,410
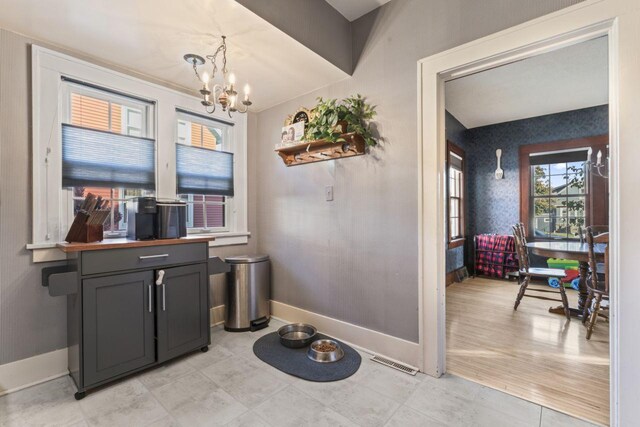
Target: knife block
x,y
82,232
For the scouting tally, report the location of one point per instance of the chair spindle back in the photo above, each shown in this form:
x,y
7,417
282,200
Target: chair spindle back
x,y
521,246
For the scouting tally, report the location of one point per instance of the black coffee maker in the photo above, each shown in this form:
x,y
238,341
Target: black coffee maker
x,y
142,218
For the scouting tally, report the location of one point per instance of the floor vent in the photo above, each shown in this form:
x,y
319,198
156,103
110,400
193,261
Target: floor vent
x,y
395,365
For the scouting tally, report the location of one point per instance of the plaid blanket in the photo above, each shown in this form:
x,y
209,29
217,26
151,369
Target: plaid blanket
x,y
495,255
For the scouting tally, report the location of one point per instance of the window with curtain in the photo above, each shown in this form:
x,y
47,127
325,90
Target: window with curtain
x,y
455,194
558,196
108,149
204,171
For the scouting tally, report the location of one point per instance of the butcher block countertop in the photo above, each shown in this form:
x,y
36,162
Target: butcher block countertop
x,y
126,243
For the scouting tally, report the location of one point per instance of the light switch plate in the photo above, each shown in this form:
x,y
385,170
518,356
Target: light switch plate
x,y
328,193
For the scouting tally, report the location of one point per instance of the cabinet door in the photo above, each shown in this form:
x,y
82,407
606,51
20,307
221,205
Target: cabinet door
x,y
182,300
118,325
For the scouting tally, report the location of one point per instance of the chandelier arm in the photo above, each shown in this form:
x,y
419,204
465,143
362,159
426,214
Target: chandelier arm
x,y
195,70
246,108
213,110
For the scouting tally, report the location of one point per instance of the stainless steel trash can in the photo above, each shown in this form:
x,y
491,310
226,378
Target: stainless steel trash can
x,y
248,293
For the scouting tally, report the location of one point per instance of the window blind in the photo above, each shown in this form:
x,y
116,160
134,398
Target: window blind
x,y
95,158
558,157
203,171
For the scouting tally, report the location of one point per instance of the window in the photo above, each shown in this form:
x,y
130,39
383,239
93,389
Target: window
x,y
559,198
205,212
455,192
556,195
133,114
91,108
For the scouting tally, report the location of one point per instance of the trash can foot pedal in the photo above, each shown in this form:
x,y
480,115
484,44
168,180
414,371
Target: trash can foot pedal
x,y
258,324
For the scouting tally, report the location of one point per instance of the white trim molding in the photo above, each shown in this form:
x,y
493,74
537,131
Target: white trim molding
x,y
217,314
365,339
620,21
34,370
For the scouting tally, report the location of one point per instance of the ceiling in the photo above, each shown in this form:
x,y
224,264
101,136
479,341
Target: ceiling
x,y
354,9
151,36
563,80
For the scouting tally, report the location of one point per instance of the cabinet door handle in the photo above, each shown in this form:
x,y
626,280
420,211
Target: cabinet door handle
x,y
150,299
143,257
164,305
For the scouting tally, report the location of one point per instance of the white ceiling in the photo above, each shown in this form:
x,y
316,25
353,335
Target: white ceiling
x,y
354,9
151,36
567,79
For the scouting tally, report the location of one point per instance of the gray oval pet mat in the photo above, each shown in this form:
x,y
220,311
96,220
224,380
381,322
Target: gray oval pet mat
x,y
294,361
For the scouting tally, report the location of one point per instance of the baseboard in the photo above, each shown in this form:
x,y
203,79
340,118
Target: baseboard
x,y
365,339
450,278
34,370
217,315
44,367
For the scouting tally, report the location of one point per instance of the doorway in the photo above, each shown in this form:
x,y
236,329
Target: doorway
x,y
518,141
508,47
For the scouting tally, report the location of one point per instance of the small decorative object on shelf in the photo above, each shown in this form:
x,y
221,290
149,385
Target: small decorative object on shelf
x,y
87,224
333,130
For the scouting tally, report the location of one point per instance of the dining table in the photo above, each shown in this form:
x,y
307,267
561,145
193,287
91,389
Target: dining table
x,y
576,251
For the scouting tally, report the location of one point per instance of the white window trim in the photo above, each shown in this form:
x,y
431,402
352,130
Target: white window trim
x,y
227,145
49,201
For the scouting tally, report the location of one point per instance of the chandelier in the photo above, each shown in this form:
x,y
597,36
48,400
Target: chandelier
x,y
224,95
598,167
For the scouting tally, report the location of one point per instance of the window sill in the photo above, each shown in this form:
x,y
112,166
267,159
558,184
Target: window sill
x,y
456,243
226,238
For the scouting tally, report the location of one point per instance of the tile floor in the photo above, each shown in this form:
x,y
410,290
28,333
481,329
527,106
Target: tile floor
x,y
229,386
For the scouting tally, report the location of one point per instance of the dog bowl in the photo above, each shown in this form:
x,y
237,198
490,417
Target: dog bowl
x,y
296,335
318,355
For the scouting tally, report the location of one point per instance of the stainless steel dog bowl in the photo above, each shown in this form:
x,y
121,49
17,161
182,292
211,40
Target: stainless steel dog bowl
x,y
296,335
325,356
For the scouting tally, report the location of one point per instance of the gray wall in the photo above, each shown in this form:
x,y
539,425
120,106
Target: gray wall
x,y
32,322
356,258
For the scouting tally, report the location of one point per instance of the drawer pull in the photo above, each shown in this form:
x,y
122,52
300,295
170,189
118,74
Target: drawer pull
x,y
144,257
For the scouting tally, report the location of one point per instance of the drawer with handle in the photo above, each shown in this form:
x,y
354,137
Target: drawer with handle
x,y
109,260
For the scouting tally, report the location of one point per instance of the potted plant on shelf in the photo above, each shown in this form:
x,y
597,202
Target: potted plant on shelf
x,y
332,118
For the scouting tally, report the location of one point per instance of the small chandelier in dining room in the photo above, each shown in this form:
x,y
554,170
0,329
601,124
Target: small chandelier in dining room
x,y
599,167
225,94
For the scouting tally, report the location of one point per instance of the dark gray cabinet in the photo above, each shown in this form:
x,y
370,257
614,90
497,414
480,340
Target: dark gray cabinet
x,y
118,319
131,308
182,304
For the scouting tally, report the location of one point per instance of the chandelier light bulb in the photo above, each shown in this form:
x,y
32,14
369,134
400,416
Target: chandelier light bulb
x,y
225,94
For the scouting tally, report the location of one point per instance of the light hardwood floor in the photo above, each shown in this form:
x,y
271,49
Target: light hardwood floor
x,y
529,353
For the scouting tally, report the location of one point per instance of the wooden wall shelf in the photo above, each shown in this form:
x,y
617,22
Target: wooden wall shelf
x,y
319,151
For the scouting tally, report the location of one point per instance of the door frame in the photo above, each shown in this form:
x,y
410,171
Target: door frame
x,y
582,22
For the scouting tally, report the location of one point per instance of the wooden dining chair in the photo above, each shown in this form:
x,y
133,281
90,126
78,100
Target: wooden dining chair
x,y
598,289
596,229
527,272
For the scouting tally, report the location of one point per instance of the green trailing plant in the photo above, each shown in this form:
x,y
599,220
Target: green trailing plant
x,y
329,117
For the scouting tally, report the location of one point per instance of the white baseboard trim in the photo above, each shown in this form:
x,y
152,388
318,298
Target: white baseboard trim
x,y
368,340
217,315
34,370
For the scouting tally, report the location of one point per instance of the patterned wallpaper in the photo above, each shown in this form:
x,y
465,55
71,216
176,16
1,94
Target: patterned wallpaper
x,y
494,205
